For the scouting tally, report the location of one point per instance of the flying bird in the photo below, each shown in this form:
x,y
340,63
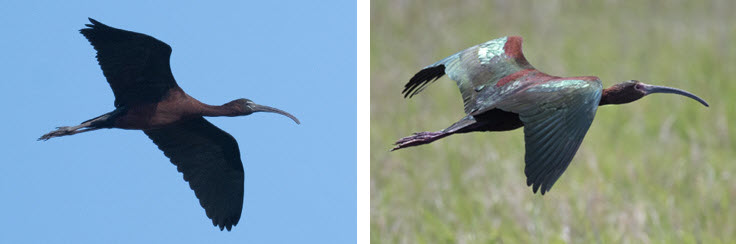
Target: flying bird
x,y
148,98
501,91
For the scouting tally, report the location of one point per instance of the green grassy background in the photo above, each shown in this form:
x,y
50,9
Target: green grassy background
x,y
660,170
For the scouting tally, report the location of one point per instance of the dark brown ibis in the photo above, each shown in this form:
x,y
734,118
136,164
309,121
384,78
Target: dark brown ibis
x,y
502,91
147,98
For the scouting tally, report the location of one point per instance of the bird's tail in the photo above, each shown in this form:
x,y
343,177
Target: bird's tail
x,y
464,125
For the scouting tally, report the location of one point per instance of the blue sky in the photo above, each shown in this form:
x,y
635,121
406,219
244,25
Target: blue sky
x,y
116,186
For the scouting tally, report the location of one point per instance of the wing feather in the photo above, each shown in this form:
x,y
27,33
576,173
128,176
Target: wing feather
x,y
474,69
556,117
556,112
209,158
136,65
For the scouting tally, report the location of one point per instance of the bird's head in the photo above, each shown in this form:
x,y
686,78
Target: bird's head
x,y
246,107
633,90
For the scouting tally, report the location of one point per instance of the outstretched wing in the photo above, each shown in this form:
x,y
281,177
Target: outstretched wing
x,y
136,65
209,158
556,115
474,69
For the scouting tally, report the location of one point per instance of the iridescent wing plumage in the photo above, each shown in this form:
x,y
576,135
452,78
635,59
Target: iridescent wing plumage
x,y
556,112
556,115
474,69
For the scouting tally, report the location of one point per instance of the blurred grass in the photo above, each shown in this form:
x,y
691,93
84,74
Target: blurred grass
x,y
660,170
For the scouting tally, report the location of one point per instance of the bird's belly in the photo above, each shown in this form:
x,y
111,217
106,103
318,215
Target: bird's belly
x,y
499,120
145,118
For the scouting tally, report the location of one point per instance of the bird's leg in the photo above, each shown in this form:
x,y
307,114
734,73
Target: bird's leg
x,y
68,130
99,122
465,125
419,138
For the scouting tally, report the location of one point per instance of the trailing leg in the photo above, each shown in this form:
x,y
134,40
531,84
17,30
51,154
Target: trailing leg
x,y
464,125
99,122
492,120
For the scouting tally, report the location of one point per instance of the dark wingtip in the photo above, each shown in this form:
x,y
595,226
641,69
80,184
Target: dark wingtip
x,y
218,225
94,24
93,21
539,187
421,79
225,224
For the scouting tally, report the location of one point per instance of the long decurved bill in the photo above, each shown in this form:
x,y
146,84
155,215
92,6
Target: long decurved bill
x,y
263,108
649,89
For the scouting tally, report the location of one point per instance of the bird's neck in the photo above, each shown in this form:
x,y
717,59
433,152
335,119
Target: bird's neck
x,y
227,109
605,95
197,108
616,95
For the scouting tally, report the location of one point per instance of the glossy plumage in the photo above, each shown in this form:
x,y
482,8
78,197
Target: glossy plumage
x,y
502,91
136,65
148,98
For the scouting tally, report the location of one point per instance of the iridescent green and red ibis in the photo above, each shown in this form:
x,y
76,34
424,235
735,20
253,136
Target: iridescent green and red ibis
x,y
148,98
502,91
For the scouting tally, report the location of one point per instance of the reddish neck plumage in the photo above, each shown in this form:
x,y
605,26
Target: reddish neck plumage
x,y
229,109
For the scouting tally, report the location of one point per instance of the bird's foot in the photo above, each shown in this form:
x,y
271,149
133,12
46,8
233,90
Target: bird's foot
x,y
60,131
418,138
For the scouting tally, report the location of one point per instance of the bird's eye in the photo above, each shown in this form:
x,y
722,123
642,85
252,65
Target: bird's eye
x,y
639,86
